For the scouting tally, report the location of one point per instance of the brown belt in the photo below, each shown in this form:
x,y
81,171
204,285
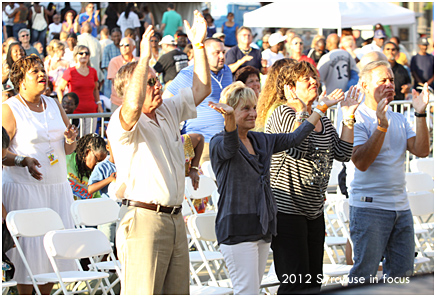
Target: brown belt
x,y
154,207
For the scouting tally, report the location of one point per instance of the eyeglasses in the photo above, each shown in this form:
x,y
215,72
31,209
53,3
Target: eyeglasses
x,y
152,81
124,45
298,43
83,53
25,35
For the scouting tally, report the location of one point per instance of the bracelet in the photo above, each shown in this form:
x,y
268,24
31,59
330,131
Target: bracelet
x,y
194,167
98,102
198,45
300,120
322,107
302,114
420,115
321,114
19,161
384,130
349,122
69,141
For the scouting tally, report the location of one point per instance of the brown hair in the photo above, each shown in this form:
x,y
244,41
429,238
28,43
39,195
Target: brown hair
x,y
243,73
20,68
269,93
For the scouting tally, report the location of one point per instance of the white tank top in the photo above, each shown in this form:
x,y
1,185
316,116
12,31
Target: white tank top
x,y
38,20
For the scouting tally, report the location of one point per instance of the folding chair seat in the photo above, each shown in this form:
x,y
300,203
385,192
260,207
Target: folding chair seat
x,y
92,213
337,272
206,167
206,187
76,244
33,223
7,285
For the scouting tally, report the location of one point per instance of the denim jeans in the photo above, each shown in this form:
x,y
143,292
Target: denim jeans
x,y
17,27
376,233
39,36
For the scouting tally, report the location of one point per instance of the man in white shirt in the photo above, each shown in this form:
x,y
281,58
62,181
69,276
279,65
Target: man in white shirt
x,y
272,54
375,46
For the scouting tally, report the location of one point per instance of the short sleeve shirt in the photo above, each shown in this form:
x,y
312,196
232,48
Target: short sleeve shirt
x,y
150,158
102,171
384,180
83,17
83,86
172,21
171,63
234,54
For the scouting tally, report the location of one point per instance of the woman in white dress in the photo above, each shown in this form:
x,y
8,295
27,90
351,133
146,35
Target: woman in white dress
x,y
39,128
129,19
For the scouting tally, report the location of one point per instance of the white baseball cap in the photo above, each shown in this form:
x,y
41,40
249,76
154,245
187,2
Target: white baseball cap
x,y
168,39
276,38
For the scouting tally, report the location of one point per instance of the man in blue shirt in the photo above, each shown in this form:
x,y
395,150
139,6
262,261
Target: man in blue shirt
x,y
208,122
422,65
89,17
111,51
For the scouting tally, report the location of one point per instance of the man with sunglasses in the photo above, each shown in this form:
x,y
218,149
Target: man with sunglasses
x,y
24,38
127,46
402,79
148,150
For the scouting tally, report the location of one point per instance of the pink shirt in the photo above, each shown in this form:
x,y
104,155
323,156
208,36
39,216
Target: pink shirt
x,y
114,65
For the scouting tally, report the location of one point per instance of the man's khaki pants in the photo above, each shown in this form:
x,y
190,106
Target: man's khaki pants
x,y
153,250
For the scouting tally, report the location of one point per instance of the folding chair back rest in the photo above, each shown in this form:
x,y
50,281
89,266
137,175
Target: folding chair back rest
x,y
205,188
206,167
186,208
421,203
419,181
76,243
33,222
336,168
203,226
343,208
425,165
93,212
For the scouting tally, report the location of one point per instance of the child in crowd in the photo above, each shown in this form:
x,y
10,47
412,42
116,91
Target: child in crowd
x,y
102,176
55,28
70,101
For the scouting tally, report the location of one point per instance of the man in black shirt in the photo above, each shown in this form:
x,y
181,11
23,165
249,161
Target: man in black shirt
x,y
402,80
172,61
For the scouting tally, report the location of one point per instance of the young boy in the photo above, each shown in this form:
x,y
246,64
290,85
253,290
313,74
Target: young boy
x,y
103,174
54,28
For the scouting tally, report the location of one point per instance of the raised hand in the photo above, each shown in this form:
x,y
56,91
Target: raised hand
x,y
222,108
71,132
332,99
350,104
145,42
382,108
293,101
197,33
420,101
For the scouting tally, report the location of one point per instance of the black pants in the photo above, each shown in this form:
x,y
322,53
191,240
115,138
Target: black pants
x,y
298,253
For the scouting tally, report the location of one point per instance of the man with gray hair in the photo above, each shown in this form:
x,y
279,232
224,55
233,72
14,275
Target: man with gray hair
x,y
24,38
127,46
381,224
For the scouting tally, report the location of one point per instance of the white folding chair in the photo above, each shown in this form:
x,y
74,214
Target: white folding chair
x,y
419,181
33,223
206,167
202,229
94,212
425,165
75,244
205,188
7,285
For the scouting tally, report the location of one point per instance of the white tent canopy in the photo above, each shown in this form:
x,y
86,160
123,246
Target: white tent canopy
x,y
328,14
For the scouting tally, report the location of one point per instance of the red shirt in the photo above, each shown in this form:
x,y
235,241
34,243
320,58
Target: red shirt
x,y
83,86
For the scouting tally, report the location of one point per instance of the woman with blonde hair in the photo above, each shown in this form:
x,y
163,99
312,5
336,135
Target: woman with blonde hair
x,y
54,64
246,218
268,95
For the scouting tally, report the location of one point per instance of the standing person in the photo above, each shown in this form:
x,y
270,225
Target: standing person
x,y
94,47
104,37
276,42
299,178
68,24
55,65
82,79
111,16
337,68
211,29
381,223
19,15
290,34
129,19
110,52
93,19
401,76
39,19
375,45
318,50
154,250
51,11
9,21
171,21
230,29
55,28
66,9
208,122
403,56
69,49
24,38
297,47
243,54
422,65
156,50
246,218
15,52
38,128
127,46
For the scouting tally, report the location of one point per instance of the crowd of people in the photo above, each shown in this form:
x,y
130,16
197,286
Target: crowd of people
x,y
183,95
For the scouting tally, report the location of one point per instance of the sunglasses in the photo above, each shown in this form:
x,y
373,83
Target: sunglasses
x,y
124,45
298,43
152,81
83,53
25,35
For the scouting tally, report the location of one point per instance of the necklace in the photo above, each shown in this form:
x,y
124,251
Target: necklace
x,y
37,104
246,52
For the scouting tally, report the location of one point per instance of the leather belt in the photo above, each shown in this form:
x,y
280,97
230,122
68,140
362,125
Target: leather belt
x,y
154,207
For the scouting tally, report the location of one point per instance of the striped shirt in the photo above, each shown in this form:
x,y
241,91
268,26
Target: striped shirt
x,y
300,175
109,52
208,121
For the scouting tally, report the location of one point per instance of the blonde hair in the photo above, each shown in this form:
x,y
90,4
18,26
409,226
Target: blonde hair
x,y
63,36
79,48
238,93
55,46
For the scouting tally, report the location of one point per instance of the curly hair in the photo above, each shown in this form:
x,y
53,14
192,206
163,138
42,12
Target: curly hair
x,y
9,60
85,144
269,93
290,74
243,73
20,68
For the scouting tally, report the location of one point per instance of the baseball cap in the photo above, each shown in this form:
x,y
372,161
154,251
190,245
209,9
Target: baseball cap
x,y
276,38
423,41
168,39
218,35
379,34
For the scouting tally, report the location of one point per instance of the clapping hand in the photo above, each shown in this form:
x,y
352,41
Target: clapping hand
x,y
420,101
350,104
382,108
222,108
332,99
197,33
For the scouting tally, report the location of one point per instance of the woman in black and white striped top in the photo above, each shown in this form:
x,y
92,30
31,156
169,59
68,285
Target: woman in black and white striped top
x,y
300,175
